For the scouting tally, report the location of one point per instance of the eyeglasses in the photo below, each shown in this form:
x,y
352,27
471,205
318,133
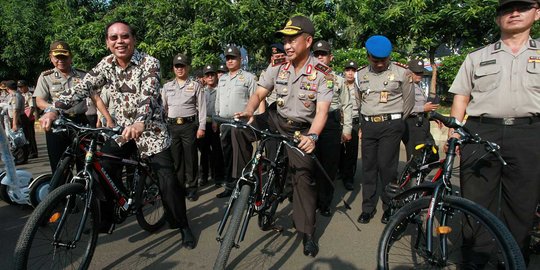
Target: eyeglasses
x,y
179,66
519,7
116,37
319,53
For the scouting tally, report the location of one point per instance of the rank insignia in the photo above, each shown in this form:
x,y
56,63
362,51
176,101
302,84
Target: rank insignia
x,y
391,77
283,74
323,68
365,77
534,59
312,76
241,78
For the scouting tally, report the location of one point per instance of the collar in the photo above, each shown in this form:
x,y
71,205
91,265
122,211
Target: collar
x,y
309,66
239,72
531,44
72,73
136,58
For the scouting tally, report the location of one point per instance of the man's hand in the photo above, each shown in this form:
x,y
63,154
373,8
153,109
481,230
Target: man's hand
x,y
306,144
200,133
428,107
346,137
110,123
15,128
47,119
133,131
359,133
215,126
245,115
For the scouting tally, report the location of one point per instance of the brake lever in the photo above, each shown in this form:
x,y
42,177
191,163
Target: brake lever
x,y
494,148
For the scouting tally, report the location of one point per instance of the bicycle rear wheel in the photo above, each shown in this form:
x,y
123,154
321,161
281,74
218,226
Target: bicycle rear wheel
x,y
240,207
272,190
47,241
150,214
465,236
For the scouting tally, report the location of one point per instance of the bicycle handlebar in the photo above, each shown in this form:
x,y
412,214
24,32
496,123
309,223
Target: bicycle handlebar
x,y
237,123
62,122
448,121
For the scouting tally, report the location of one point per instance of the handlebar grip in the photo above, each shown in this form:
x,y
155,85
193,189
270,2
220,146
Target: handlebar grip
x,y
224,120
448,121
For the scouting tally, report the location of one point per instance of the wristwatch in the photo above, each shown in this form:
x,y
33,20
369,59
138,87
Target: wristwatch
x,y
50,109
313,136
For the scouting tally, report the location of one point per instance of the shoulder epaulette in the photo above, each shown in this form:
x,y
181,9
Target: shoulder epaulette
x,y
362,67
323,68
479,48
47,72
401,65
279,61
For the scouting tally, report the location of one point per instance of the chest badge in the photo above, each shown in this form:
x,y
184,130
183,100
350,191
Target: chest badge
x,y
391,77
312,76
283,75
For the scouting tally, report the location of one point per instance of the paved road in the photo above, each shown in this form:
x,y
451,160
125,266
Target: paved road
x,y
344,244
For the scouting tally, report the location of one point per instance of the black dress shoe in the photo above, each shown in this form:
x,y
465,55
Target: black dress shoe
x,y
310,246
348,186
192,195
325,211
224,194
188,239
385,217
365,217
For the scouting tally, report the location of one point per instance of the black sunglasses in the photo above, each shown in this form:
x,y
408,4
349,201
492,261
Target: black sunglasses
x,y
511,8
320,53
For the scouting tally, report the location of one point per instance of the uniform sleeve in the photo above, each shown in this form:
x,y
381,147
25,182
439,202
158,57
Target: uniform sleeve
x,y
347,108
268,77
201,107
42,89
408,94
90,85
150,87
324,93
252,85
420,106
164,99
216,104
462,84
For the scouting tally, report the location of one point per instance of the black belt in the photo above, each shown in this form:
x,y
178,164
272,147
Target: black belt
x,y
356,120
293,123
382,117
506,121
181,120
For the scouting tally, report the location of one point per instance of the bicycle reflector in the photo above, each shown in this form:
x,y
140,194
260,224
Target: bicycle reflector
x,y
420,146
54,217
434,150
444,230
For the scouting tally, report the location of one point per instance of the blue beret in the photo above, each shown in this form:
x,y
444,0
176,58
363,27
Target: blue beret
x,y
279,48
379,46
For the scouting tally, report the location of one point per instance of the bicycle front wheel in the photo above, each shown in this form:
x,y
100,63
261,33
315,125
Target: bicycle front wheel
x,y
464,236
240,206
150,214
48,240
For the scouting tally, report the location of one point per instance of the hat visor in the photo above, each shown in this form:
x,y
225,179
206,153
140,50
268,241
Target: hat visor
x,y
60,52
288,32
231,54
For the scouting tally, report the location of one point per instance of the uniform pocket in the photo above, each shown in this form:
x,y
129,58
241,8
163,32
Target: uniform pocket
x,y
486,78
532,78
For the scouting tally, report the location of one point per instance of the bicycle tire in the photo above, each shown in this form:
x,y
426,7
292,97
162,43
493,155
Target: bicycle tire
x,y
240,206
405,231
62,173
35,250
150,213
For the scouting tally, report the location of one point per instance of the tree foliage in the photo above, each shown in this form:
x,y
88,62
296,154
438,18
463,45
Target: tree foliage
x,y
202,28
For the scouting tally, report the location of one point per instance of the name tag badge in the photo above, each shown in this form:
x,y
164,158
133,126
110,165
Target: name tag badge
x,y
384,97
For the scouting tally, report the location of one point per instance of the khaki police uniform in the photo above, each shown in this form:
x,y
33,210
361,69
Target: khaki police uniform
x,y
349,150
50,85
504,108
186,113
417,127
210,145
16,105
233,93
329,144
297,95
386,98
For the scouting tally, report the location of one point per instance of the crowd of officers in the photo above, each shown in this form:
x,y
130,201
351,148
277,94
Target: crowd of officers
x,y
381,105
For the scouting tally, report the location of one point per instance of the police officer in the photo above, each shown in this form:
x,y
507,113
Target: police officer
x,y
303,100
233,92
349,150
17,120
222,69
386,99
497,87
185,104
417,128
210,145
50,85
333,134
277,57
29,111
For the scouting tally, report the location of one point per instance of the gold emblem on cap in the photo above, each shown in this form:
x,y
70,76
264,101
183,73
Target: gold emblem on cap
x,y
289,23
208,67
60,47
319,44
230,50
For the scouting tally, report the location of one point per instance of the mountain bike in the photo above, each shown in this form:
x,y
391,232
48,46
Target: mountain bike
x,y
441,230
258,191
62,231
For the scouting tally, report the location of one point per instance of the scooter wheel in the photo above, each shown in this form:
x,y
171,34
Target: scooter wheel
x,y
39,189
